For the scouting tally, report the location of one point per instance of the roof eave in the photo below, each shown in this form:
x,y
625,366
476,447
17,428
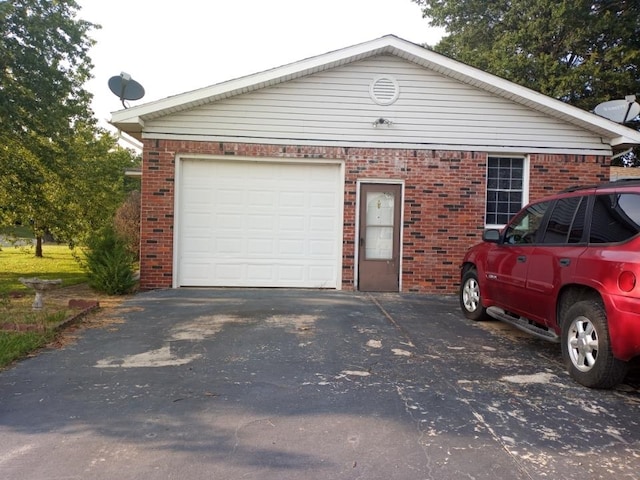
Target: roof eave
x,y
132,126
623,142
132,120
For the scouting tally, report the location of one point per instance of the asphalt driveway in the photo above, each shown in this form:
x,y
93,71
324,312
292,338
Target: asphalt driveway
x,y
290,384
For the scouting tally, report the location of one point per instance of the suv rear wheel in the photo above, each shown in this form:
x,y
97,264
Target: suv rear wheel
x,y
586,347
470,300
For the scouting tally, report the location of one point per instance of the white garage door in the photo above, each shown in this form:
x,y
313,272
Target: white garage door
x,y
259,224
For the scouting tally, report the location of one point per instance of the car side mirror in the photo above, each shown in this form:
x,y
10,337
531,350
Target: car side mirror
x,y
491,235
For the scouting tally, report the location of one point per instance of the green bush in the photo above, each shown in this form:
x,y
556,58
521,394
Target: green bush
x,y
109,263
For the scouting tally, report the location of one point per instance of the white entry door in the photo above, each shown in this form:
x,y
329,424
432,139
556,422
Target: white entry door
x,y
259,224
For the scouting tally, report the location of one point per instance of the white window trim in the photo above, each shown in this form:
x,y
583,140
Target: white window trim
x,y
525,184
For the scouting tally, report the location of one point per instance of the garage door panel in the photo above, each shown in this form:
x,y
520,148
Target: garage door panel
x,y
291,248
261,199
321,200
197,271
259,247
293,200
225,221
291,273
230,274
230,198
292,224
197,227
319,248
226,247
318,274
200,245
258,273
321,224
198,198
259,224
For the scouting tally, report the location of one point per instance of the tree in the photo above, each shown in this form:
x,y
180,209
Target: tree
x,y
44,65
58,172
582,52
80,195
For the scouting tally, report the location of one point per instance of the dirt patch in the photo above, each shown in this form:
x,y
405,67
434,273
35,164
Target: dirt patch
x,y
82,291
107,315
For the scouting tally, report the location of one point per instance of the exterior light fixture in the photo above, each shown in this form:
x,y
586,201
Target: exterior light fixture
x,y
382,121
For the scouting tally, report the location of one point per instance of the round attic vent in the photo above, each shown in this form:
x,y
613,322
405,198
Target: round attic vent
x,y
384,90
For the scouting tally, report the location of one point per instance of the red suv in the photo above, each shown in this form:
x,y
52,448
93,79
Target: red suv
x,y
566,269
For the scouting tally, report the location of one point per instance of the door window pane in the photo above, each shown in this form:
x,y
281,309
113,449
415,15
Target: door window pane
x,y
524,228
379,226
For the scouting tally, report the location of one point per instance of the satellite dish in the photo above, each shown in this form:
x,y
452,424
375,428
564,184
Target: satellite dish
x,y
125,88
619,111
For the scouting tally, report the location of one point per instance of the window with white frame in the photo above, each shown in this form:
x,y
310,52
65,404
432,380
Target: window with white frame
x,y
506,188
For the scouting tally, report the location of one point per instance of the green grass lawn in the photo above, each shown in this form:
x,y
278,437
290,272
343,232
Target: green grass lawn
x,y
57,262
15,345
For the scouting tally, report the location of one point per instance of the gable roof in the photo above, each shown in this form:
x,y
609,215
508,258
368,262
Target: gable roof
x,y
132,120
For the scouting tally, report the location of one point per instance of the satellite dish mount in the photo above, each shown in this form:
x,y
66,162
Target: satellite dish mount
x,y
125,88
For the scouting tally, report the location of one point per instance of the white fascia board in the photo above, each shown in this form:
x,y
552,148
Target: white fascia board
x,y
506,149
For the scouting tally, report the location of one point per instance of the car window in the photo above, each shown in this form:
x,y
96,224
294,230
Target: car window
x,y
562,220
616,218
525,226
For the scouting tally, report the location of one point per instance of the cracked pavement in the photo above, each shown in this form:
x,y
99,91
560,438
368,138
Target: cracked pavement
x,y
289,384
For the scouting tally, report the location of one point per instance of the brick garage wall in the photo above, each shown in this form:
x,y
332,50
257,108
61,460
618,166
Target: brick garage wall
x,y
443,209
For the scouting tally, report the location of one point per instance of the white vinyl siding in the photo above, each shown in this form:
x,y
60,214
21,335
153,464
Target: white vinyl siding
x,y
259,224
334,107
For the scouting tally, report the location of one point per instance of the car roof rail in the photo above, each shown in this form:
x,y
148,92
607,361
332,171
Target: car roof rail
x,y
597,186
575,188
626,180
619,182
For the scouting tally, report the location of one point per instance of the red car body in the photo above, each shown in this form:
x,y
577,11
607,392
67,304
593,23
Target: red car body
x,y
564,261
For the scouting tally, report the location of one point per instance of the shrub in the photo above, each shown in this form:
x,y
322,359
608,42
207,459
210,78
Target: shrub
x,y
109,263
127,223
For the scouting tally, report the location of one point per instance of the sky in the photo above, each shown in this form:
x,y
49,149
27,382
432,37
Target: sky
x,y
172,47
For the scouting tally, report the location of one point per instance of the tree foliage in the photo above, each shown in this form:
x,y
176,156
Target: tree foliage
x,y
44,64
59,173
582,52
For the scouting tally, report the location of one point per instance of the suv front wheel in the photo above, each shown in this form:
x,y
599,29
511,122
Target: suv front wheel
x,y
470,301
586,347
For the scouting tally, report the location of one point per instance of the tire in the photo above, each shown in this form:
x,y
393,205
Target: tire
x,y
586,346
470,300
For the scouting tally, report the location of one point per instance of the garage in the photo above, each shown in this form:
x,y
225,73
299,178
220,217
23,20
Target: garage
x,y
258,181
258,223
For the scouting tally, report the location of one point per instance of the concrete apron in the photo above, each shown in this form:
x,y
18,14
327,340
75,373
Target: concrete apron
x,y
289,384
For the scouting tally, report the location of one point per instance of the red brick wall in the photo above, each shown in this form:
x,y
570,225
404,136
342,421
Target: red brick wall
x,y
443,209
